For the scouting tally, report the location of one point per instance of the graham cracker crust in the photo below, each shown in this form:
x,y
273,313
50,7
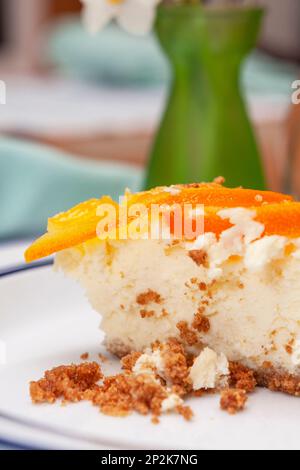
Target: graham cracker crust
x,y
267,376
278,381
117,347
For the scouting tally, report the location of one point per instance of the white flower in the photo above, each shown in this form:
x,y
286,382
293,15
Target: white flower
x,y
135,16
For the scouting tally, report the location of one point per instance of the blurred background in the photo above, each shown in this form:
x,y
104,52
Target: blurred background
x,y
81,110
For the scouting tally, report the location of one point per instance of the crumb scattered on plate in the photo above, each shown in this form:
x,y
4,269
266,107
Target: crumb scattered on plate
x,y
233,400
102,357
154,382
84,356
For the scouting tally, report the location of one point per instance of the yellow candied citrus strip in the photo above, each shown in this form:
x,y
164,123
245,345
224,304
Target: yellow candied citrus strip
x,y
83,213
52,242
69,229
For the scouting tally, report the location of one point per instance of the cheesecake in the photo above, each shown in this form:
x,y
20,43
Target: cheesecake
x,y
227,288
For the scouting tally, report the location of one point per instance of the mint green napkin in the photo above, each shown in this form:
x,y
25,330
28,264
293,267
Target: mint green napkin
x,y
38,181
112,56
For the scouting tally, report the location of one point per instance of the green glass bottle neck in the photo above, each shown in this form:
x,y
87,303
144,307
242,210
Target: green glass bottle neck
x,y
224,33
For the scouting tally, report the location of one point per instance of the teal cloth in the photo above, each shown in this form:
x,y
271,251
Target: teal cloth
x,y
37,181
264,75
114,57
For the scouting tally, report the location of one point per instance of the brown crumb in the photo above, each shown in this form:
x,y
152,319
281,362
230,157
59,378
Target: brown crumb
x,y
267,364
176,365
164,313
233,400
84,356
121,394
201,323
147,313
204,391
147,297
102,357
289,349
202,286
66,382
185,411
118,395
200,257
219,180
242,377
128,361
278,382
186,334
289,346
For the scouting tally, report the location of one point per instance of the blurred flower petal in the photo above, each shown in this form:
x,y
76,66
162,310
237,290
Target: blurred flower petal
x,y
135,17
149,3
97,13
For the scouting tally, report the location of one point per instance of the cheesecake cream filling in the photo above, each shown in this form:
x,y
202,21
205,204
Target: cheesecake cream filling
x,y
210,370
250,291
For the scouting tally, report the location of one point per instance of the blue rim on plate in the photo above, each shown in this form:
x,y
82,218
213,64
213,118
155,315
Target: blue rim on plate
x,y
24,267
38,426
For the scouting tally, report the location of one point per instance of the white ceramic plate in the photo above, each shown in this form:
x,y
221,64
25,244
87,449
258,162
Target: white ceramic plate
x,y
46,321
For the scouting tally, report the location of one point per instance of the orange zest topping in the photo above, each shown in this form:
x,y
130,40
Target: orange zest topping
x,y
69,229
278,212
209,194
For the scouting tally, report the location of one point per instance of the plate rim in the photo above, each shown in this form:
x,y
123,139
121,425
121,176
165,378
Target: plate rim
x,y
32,424
20,268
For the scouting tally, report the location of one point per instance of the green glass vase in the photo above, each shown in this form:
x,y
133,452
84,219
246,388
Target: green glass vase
x,y
205,131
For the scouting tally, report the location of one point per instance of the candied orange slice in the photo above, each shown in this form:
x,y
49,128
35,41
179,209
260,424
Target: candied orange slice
x,y
278,212
280,219
209,194
69,229
82,214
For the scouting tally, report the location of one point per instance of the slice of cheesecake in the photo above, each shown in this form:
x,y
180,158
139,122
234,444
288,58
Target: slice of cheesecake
x,y
233,286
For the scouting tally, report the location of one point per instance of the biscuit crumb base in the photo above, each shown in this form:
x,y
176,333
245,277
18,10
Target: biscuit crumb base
x,y
275,381
123,393
242,377
84,356
199,257
219,180
186,412
176,366
147,297
233,400
128,361
102,357
201,323
129,391
66,382
189,336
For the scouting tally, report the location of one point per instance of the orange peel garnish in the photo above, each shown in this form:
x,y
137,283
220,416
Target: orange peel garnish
x,y
278,212
209,194
69,229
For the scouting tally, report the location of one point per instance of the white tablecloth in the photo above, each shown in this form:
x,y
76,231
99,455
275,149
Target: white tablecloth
x,y
60,107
